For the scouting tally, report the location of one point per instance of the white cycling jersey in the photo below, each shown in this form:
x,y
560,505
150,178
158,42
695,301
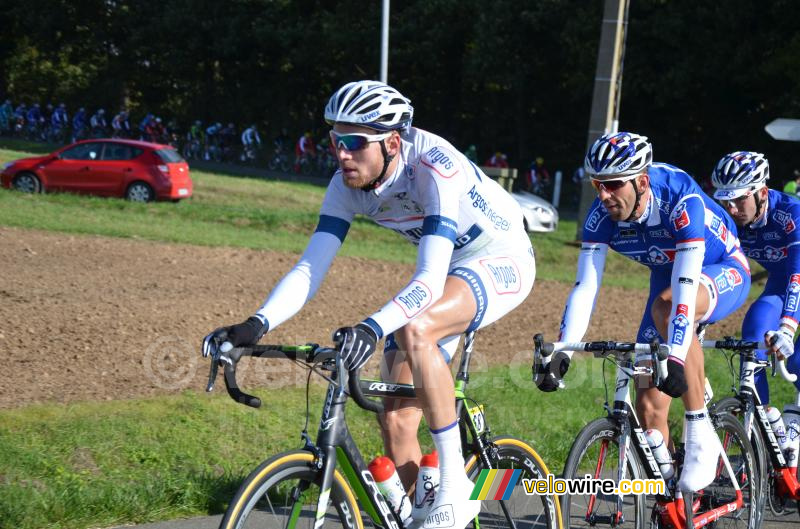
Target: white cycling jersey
x,y
438,200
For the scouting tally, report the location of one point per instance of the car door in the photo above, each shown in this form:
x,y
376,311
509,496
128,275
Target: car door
x,y
117,166
73,169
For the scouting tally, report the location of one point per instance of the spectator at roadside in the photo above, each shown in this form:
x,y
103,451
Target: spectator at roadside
x,y
497,160
472,154
538,176
6,114
791,186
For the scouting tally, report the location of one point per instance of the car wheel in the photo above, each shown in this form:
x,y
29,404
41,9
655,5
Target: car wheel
x,y
139,192
27,183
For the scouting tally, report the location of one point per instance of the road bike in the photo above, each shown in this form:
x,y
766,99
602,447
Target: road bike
x,y
327,483
615,448
779,482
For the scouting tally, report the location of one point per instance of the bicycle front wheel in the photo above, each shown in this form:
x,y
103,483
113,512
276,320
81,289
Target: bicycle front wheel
x,y
283,492
521,510
769,493
595,453
723,490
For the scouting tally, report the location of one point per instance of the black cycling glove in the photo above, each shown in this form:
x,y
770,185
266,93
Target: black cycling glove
x,y
356,344
246,333
549,375
675,383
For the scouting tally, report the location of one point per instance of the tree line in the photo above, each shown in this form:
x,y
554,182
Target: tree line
x,y
700,78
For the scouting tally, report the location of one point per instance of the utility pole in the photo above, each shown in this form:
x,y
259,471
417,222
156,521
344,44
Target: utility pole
x,y
607,88
385,42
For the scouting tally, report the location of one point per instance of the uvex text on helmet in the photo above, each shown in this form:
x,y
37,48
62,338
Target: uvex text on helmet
x,y
738,173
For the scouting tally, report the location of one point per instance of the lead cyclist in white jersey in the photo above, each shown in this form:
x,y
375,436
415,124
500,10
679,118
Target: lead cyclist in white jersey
x,y
474,264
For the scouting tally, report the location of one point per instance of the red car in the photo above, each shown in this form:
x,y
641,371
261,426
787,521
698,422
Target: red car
x,y
136,170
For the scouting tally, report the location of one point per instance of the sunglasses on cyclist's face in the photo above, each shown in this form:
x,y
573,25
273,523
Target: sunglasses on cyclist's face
x,y
612,185
355,141
737,202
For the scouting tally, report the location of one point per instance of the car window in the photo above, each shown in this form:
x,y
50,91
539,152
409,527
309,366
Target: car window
x,y
169,155
118,151
84,151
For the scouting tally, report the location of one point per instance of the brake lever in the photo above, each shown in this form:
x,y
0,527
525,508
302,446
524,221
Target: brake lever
x,y
217,357
212,375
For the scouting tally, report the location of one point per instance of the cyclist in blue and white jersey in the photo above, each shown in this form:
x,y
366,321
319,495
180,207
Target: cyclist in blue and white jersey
x,y
769,229
474,264
657,215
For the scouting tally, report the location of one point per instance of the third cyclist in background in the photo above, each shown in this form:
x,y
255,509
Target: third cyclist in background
x,y
657,215
769,229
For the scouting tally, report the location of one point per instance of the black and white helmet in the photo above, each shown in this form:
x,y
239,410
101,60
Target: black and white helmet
x,y
738,173
618,154
369,104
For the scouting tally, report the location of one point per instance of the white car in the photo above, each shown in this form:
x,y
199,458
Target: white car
x,y
540,215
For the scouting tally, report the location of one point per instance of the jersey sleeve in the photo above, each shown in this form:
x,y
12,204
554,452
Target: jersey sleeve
x,y
687,223
581,300
302,282
442,181
791,307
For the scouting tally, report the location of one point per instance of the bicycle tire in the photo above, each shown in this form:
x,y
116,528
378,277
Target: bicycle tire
x,y
733,405
743,461
593,453
526,511
267,498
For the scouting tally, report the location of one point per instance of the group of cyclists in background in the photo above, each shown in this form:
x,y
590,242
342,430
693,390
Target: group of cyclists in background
x,y
210,141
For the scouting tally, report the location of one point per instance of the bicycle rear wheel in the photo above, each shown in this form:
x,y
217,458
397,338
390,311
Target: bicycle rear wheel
x,y
526,512
595,453
283,492
722,490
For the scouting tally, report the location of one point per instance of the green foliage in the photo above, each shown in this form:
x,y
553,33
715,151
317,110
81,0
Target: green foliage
x,y
700,80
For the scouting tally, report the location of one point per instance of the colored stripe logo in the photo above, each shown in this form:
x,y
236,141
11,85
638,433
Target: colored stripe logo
x,y
495,484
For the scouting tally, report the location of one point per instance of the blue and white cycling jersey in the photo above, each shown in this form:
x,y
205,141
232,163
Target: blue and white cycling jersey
x,y
684,237
438,200
774,242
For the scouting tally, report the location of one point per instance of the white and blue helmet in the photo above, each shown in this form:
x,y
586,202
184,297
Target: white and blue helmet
x,y
739,173
618,154
369,104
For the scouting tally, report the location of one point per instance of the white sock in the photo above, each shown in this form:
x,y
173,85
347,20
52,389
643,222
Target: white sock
x,y
702,451
451,461
452,508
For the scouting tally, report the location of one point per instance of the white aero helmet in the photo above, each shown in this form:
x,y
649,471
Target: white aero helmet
x,y
618,154
370,104
739,173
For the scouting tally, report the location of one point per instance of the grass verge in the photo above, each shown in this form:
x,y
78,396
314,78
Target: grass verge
x,y
104,463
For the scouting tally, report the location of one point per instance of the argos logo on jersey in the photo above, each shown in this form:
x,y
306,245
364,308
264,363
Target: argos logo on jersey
x,y
728,279
785,220
657,256
680,217
440,161
504,274
414,298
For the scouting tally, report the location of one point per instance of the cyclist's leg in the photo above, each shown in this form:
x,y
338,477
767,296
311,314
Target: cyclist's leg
x,y
652,405
477,292
725,287
762,316
400,420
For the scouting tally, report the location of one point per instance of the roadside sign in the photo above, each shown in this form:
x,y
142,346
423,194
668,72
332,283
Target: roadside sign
x,y
784,129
